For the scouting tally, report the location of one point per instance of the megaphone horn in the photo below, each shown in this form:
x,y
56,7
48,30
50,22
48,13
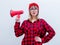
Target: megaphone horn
x,y
13,13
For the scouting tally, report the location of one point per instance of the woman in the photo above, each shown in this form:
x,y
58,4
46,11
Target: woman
x,y
34,28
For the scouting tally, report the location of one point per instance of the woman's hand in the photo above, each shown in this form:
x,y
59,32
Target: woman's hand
x,y
18,18
38,39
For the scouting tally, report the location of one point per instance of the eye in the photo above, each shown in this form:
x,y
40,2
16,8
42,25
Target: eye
x,y
35,8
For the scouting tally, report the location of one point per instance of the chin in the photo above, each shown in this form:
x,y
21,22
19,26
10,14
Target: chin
x,y
34,15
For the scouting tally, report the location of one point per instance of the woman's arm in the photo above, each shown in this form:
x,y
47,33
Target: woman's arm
x,y
49,30
19,30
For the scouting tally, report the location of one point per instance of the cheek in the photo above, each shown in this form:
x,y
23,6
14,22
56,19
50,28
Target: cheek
x,y
31,11
36,11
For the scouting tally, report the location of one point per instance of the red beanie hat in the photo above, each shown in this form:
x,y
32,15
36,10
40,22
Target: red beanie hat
x,y
33,4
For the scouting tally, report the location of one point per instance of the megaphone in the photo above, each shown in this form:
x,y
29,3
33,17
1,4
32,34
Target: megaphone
x,y
13,13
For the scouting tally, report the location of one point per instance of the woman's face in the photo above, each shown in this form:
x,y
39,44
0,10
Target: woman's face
x,y
33,11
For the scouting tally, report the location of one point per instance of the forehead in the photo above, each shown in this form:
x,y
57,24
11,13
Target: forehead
x,y
34,6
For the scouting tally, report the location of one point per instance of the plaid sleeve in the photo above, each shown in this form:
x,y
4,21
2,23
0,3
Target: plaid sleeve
x,y
19,30
49,30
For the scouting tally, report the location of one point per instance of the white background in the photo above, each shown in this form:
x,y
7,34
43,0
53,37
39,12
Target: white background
x,y
49,10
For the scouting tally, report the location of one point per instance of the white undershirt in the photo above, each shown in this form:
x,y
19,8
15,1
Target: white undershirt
x,y
33,21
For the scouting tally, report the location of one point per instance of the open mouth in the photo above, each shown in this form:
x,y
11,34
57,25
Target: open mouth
x,y
33,13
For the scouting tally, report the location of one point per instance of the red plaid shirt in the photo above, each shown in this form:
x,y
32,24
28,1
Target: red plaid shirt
x,y
37,28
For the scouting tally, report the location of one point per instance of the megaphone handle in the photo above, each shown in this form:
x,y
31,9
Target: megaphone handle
x,y
18,16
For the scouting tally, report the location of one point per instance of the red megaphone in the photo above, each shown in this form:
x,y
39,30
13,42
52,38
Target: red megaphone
x,y
13,13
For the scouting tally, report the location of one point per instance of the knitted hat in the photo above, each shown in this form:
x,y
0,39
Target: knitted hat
x,y
33,4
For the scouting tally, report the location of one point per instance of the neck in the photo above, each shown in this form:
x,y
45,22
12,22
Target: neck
x,y
33,18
